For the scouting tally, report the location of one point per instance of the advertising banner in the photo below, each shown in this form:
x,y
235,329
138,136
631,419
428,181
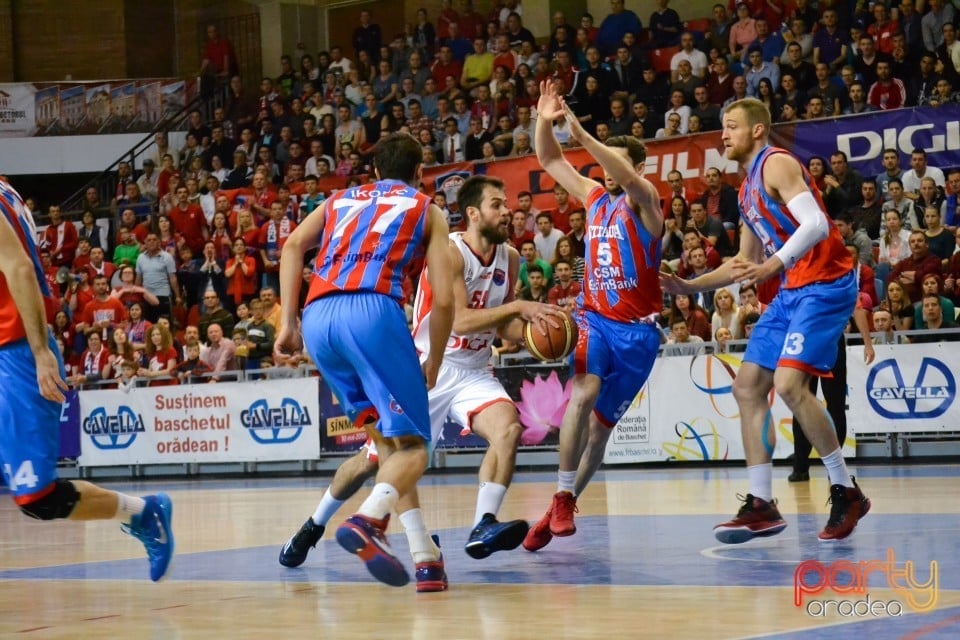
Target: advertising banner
x,y
17,113
907,388
687,412
85,108
223,422
862,137
70,425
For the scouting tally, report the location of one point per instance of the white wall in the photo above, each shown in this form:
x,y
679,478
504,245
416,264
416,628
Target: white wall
x,y
69,154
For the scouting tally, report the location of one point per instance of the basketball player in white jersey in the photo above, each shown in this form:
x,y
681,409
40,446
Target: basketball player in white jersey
x,y
485,270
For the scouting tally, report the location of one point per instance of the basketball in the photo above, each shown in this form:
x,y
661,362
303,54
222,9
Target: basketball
x,y
556,344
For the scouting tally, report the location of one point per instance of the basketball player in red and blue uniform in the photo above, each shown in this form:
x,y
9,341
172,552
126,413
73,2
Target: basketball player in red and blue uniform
x,y
32,379
617,309
485,271
355,328
786,232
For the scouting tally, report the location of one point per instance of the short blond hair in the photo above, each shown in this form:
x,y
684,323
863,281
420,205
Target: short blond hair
x,y
755,110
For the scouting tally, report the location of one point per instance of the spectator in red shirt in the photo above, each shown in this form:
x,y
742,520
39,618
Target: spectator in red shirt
x,y
161,356
241,274
219,58
94,362
189,221
60,239
910,271
518,230
564,293
103,313
887,92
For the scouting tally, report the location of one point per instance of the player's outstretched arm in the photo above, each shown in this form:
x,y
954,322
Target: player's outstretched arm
x,y
18,270
641,194
468,320
783,179
440,275
728,272
305,237
549,152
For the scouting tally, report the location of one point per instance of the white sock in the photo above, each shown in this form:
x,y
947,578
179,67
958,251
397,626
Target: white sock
x,y
422,547
325,510
761,481
837,468
489,499
380,502
128,506
566,480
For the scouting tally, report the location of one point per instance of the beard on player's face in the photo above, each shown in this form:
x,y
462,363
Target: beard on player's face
x,y
496,233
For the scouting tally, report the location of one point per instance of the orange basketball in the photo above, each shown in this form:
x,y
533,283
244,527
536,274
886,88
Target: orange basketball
x,y
556,344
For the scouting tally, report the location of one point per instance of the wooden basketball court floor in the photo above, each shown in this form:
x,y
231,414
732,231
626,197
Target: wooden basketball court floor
x,y
643,564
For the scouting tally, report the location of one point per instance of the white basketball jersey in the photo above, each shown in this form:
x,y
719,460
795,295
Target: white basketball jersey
x,y
487,287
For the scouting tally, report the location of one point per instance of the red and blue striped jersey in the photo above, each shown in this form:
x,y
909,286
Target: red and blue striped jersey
x,y
371,234
18,216
622,261
772,223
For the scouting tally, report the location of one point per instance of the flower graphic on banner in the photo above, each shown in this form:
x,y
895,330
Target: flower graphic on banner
x,y
541,406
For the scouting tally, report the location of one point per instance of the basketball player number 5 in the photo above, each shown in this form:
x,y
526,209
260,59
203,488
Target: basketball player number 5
x,y
604,254
793,345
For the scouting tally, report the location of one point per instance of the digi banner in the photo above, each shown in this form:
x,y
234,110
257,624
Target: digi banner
x,y
907,388
687,412
70,425
224,422
77,108
862,137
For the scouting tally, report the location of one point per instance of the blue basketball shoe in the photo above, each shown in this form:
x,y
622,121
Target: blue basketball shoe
x,y
365,537
431,576
153,529
491,535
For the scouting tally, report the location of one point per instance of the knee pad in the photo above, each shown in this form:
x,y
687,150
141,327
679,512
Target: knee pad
x,y
57,504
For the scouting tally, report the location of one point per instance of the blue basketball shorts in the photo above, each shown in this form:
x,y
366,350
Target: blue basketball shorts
x,y
29,424
620,354
801,328
362,346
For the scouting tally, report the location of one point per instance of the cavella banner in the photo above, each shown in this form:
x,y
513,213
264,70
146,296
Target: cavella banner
x,y
224,422
863,138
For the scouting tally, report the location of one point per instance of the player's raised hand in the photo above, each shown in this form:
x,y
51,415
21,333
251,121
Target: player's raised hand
x,y
577,132
51,384
288,342
671,283
549,106
540,314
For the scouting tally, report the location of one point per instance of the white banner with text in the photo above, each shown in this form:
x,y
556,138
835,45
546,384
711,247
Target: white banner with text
x,y
907,388
223,422
687,412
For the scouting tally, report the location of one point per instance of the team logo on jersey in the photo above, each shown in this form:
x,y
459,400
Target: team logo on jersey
x,y
928,395
499,277
275,425
115,430
395,406
449,184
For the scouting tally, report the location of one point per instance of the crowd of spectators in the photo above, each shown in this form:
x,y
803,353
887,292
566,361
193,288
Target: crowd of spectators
x,y
183,281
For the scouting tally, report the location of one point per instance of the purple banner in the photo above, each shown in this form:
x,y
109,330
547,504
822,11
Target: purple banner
x,y
864,137
70,425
